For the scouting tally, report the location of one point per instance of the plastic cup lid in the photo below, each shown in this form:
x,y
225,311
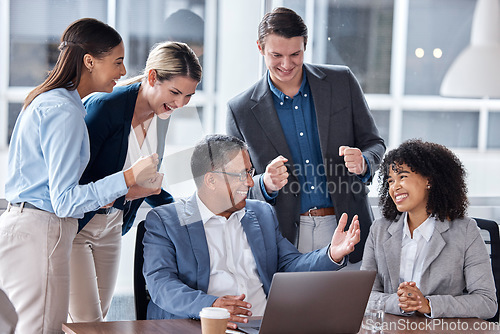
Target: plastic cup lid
x,y
214,313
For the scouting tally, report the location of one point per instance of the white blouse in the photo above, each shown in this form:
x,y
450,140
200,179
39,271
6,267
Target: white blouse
x,y
149,146
414,250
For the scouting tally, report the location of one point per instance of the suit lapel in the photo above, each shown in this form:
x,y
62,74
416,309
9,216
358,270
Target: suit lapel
x,y
255,240
392,250
128,107
161,134
321,92
190,217
266,116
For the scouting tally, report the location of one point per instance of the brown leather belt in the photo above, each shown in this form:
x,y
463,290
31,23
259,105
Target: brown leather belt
x,y
319,212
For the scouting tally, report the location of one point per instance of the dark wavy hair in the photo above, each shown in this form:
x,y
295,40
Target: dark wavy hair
x,y
83,36
445,172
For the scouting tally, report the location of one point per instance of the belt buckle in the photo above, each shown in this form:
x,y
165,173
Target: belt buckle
x,y
310,210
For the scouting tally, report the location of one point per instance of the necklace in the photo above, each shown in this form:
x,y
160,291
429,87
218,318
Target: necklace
x,y
144,131
144,124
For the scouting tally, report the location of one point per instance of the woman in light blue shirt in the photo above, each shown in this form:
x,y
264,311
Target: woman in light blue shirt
x,y
49,150
128,123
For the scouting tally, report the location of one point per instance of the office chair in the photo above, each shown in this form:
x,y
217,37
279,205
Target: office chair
x,y
141,294
494,245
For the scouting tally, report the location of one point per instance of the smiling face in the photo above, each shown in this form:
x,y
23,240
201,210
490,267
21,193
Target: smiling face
x,y
167,95
107,70
409,192
284,58
230,192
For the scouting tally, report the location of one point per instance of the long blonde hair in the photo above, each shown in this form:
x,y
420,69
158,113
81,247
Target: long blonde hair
x,y
169,59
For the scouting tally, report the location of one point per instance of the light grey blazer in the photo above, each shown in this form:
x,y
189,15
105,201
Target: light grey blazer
x,y
456,276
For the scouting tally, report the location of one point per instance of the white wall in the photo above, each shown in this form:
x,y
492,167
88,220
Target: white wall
x,y
237,54
3,171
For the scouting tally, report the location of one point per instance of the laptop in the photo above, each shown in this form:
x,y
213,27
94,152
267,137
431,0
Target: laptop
x,y
314,302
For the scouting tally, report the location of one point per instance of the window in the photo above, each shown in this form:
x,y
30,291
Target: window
x,y
398,50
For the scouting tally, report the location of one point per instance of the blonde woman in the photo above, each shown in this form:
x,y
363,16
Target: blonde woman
x,y
128,123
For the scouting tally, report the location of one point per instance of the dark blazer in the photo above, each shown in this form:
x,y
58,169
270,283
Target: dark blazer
x,y
177,261
109,117
456,276
343,118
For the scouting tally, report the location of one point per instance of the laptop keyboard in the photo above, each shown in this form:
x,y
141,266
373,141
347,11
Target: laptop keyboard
x,y
249,330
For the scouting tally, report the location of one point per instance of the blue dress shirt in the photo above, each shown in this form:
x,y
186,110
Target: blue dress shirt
x,y
298,121
48,153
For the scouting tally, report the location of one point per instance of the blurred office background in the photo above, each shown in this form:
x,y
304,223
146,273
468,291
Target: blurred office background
x,y
400,51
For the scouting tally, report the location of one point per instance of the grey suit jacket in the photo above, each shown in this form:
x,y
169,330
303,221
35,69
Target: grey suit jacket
x,y
343,118
456,277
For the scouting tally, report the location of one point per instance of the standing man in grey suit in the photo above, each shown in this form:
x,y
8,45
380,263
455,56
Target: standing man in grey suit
x,y
311,137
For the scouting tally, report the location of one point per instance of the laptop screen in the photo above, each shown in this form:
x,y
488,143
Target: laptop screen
x,y
315,302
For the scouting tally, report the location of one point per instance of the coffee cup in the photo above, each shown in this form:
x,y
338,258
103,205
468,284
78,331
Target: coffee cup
x,y
214,320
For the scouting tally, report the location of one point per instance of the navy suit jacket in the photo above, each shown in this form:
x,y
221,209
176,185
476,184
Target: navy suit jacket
x,y
343,118
108,119
177,261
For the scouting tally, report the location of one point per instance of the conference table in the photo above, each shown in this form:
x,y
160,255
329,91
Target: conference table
x,y
392,325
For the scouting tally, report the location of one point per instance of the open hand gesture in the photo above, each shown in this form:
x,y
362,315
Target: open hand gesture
x,y
343,241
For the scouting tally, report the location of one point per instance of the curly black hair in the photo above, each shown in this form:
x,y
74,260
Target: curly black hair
x,y
443,169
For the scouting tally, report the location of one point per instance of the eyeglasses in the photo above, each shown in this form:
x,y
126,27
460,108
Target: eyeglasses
x,y
242,176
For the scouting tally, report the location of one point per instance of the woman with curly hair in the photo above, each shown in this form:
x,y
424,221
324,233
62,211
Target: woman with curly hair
x,y
429,257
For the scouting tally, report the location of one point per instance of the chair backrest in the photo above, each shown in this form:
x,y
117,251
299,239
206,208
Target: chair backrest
x,y
141,294
494,247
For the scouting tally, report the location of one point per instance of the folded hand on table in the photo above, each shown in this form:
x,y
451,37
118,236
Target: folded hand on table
x,y
411,298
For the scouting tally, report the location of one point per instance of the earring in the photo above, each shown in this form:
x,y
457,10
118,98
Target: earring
x,y
428,186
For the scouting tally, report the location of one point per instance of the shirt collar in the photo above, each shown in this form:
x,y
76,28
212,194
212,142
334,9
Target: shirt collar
x,y
426,229
206,214
76,96
279,94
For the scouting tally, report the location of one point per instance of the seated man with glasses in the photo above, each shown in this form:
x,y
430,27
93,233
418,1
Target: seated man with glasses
x,y
219,248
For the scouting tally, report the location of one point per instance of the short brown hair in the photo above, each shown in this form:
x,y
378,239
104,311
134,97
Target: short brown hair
x,y
283,22
212,153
